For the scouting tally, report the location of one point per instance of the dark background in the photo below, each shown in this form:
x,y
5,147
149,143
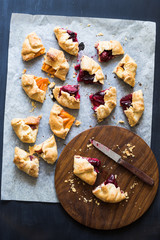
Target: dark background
x,y
20,220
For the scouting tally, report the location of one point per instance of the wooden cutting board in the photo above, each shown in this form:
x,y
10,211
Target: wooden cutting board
x,y
76,196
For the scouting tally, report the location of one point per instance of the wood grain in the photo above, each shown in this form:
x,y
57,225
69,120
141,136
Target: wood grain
x,y
76,197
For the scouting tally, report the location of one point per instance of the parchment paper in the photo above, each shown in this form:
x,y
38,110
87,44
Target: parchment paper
x,y
138,40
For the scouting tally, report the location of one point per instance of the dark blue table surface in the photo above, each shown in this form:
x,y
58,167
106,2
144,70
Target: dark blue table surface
x,y
37,221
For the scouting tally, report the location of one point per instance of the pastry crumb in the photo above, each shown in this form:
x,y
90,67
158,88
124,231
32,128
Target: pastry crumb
x,y
126,39
52,84
121,121
89,145
133,185
88,25
74,76
33,106
77,123
99,34
24,71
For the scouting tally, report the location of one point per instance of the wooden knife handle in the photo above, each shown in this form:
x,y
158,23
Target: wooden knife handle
x,y
144,177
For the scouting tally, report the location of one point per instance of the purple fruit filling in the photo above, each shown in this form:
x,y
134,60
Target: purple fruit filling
x,y
31,157
39,151
72,35
106,55
97,99
111,179
95,162
126,101
85,77
77,67
33,126
73,90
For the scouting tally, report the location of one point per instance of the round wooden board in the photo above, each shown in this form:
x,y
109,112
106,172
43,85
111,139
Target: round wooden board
x,y
76,196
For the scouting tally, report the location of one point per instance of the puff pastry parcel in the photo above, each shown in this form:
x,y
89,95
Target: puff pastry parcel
x,y
109,191
35,87
46,150
86,168
133,106
104,102
90,71
68,96
126,70
60,121
26,162
55,64
67,40
108,49
32,47
26,129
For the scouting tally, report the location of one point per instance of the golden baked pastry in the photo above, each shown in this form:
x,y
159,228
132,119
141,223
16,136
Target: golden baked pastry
x,y
46,150
90,71
109,191
26,162
32,47
67,40
60,121
86,168
133,106
104,102
35,87
26,129
107,50
68,96
55,64
126,70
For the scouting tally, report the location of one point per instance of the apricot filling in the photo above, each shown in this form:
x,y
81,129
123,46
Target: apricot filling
x,y
48,69
42,83
67,119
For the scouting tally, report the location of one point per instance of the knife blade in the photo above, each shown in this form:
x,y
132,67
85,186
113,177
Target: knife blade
x,y
117,158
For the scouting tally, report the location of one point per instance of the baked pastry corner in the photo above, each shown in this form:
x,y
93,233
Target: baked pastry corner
x,y
26,129
32,47
55,64
126,70
26,162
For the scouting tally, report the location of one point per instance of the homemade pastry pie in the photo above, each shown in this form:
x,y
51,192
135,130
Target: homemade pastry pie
x,y
26,162
126,70
26,129
46,150
35,87
107,50
86,168
60,121
109,191
67,40
133,106
32,47
90,71
55,64
68,96
104,102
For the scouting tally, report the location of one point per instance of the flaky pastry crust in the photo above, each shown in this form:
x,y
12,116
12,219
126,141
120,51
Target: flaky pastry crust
x,y
84,170
92,67
57,123
26,162
126,70
46,150
135,111
65,99
26,129
112,45
64,42
31,88
32,47
55,64
110,99
109,193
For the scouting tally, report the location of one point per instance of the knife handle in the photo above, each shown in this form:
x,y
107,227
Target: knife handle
x,y
140,174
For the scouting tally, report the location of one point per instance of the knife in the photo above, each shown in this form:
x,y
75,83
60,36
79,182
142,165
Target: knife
x,y
117,158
